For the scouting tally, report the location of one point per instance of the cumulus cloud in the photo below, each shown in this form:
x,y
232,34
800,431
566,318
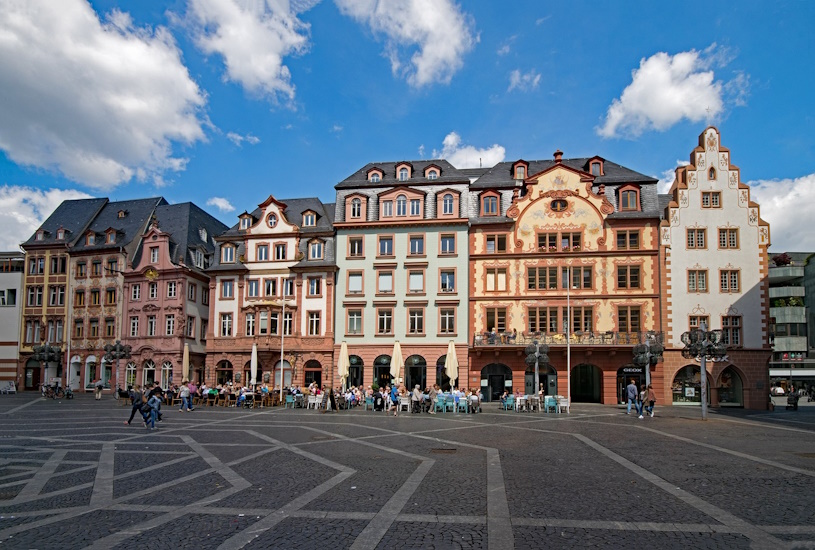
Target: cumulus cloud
x,y
437,32
421,151
238,139
221,204
783,207
668,88
541,20
336,129
668,177
101,102
23,209
523,81
252,38
468,156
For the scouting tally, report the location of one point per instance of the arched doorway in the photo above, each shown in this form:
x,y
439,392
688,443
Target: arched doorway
x,y
130,374
625,375
355,371
382,370
75,372
148,373
415,372
91,372
166,374
547,376
441,375
286,373
687,386
223,373
587,383
32,375
495,378
731,388
313,372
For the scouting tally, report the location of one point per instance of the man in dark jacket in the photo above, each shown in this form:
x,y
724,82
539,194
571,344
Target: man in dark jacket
x,y
135,399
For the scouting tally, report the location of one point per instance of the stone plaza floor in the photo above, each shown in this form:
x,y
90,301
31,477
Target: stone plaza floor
x,y
72,475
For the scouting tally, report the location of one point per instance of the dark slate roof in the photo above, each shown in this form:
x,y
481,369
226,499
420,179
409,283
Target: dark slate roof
x,y
294,214
73,216
501,174
664,200
138,213
490,220
359,179
474,172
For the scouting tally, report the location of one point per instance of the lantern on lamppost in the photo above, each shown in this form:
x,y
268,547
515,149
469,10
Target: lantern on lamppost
x,y
702,344
45,354
115,352
536,354
648,354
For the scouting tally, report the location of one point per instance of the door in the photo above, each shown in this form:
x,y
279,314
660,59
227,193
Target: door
x,y
32,378
496,387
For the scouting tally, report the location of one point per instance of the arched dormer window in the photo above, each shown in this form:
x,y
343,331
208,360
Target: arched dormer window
x,y
309,219
356,208
711,174
629,198
375,177
403,174
447,204
60,234
272,220
432,174
401,201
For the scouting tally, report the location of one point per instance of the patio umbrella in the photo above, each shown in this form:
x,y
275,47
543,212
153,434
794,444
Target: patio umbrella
x,y
185,363
343,364
253,365
396,362
451,364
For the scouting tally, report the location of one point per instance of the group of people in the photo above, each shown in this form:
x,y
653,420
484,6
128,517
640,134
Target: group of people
x,y
643,399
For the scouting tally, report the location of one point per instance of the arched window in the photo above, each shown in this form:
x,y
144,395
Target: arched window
x,y
401,205
520,172
447,204
166,374
711,174
375,177
559,205
403,174
356,208
432,175
490,206
271,220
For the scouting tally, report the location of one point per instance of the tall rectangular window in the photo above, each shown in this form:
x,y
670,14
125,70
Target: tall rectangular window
x,y
134,327
697,238
79,328
153,290
227,289
447,244
628,276
416,281
280,252
190,326
447,281
110,328
314,323
263,252
541,278
628,318
384,321
386,246
135,292
729,238
270,287
110,296
729,280
253,288
355,282
192,291
151,325
731,330
447,321
263,323
153,254
496,318
95,297
415,207
385,282
226,324
315,287
417,245
496,279
355,247
496,244
169,325
489,206
354,321
79,298
93,328
582,277
542,319
250,324
387,209
415,321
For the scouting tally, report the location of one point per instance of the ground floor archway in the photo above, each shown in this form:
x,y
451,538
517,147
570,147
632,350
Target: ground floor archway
x,y
356,371
586,383
415,372
442,379
547,377
625,375
313,372
730,388
495,379
382,370
687,386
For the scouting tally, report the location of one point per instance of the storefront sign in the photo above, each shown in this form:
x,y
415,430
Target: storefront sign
x,y
633,370
690,392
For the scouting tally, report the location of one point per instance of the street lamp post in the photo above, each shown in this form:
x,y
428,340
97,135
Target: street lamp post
x,y
648,354
47,354
703,344
536,353
568,336
117,351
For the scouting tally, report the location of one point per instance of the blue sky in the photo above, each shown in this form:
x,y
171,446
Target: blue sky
x,y
223,102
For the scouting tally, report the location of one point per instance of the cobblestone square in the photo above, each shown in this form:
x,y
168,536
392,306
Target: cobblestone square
x,y
72,475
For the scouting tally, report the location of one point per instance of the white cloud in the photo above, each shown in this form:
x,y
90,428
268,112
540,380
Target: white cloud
x,y
238,139
503,50
99,101
668,177
253,38
336,129
437,31
523,82
23,209
541,20
468,156
221,204
668,88
783,206
421,151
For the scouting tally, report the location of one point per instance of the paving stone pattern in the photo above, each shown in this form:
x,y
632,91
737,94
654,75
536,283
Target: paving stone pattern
x,y
73,476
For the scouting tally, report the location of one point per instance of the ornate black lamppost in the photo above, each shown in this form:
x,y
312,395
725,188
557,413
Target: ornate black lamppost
x,y
47,354
703,344
648,354
536,353
117,351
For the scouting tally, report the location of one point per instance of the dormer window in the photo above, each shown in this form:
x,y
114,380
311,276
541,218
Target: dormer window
x,y
375,177
309,219
122,213
356,208
39,236
199,259
520,172
596,168
271,220
246,221
432,174
629,198
111,237
403,174
489,205
60,234
447,204
90,240
228,254
401,203
315,250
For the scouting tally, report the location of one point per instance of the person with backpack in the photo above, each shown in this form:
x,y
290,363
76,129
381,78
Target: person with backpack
x,y
394,393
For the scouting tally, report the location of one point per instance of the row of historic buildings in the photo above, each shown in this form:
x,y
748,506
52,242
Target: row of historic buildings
x,y
582,254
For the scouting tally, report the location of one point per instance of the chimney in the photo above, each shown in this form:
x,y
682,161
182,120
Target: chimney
x,y
558,156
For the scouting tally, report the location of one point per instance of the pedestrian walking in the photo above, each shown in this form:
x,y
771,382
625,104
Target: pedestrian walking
x,y
433,395
99,387
631,395
394,391
652,399
641,401
135,396
154,404
184,394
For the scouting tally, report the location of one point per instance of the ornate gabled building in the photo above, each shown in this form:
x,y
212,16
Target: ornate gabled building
x,y
166,296
272,287
402,259
716,273
563,252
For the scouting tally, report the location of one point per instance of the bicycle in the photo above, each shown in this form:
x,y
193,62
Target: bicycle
x,y
53,392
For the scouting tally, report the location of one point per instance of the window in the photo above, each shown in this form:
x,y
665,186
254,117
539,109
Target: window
x,y
246,222
496,318
384,282
226,324
729,280
253,288
110,296
90,240
315,250
288,287
403,174
152,289
309,219
228,254
582,277
315,286
280,252
263,252
520,172
274,323
496,279
355,247
271,220
711,174
581,319
287,323
192,291
356,204
95,297
375,177
628,240
489,206
34,296
8,297
415,207
416,281
355,282
56,296
628,200
447,282
447,321
60,234
559,205
204,328
447,244
199,259
542,319
81,270
432,174
110,237
696,238
314,323
496,244
628,318
172,289
79,298
96,268
417,245
697,280
387,209
110,328
384,321
36,266
415,320
79,328
541,278
731,330
354,321
190,326
227,289
570,241
250,324
695,322
93,328
711,199
595,168
271,287
386,246
205,296
169,325
58,264
153,254
728,238
447,204
151,325
134,326
113,266
628,276
401,205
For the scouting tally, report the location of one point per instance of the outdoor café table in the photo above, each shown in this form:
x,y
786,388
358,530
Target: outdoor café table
x,y
532,402
520,403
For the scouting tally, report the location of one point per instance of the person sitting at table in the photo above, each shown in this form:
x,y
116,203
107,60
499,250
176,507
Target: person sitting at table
x,y
504,398
475,402
491,336
513,336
